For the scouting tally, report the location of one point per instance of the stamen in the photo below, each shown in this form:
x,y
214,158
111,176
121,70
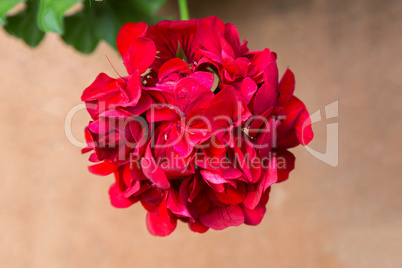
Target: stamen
x,y
113,66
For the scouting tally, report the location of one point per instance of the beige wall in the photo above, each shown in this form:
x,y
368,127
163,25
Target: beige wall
x,y
53,213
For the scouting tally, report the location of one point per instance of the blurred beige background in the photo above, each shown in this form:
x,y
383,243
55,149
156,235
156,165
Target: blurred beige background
x,y
54,213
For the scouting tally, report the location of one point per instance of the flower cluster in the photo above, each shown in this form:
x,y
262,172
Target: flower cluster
x,y
198,130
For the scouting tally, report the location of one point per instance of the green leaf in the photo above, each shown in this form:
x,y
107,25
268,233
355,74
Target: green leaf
x,y
79,31
102,20
98,20
51,12
6,6
23,25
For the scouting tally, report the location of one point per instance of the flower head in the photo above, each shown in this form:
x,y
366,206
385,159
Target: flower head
x,y
198,130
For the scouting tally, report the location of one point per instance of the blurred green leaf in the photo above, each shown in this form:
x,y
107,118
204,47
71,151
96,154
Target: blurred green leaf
x,y
98,20
23,25
79,31
51,13
103,20
6,6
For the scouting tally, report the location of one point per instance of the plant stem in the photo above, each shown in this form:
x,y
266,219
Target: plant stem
x,y
184,14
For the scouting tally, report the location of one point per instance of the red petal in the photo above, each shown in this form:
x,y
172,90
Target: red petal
x,y
117,198
102,85
141,55
264,99
173,66
175,205
253,196
86,150
152,198
271,72
255,192
127,34
210,32
168,35
246,89
160,222
270,174
157,114
232,37
133,89
232,196
103,169
296,128
197,227
144,103
220,218
228,58
212,177
191,95
226,108
204,78
286,88
255,216
264,68
152,171
285,164
93,158
210,56
133,189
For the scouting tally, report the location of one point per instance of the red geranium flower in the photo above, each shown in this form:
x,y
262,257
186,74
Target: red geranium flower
x,y
199,129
